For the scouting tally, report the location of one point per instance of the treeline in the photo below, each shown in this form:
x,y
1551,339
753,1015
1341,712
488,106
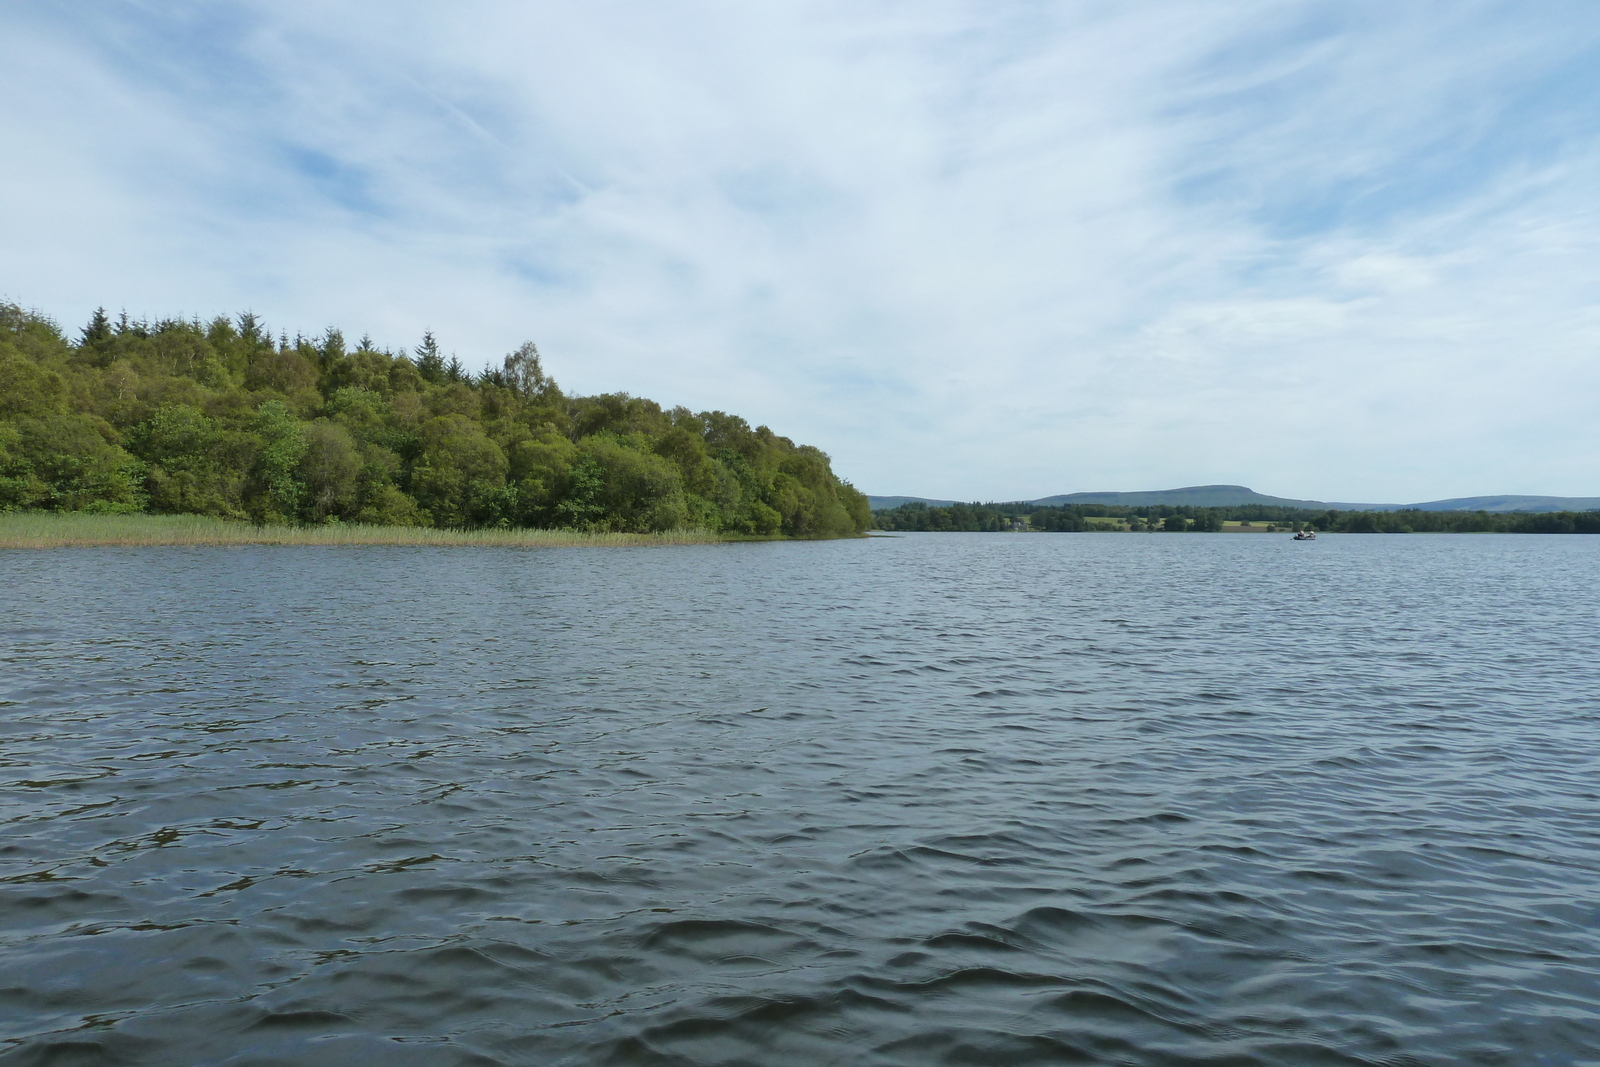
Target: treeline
x,y
218,418
1071,518
992,518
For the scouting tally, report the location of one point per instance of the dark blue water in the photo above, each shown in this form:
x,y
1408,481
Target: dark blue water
x,y
940,799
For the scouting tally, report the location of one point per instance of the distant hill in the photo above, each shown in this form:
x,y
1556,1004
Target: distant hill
x,y
1221,496
1512,503
1206,496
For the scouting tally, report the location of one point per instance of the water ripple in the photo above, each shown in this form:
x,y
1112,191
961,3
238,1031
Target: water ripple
x,y
938,799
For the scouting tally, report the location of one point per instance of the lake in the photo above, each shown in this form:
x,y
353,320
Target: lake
x,y
933,799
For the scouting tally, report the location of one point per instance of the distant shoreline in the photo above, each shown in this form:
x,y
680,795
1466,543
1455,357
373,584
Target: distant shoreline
x,y
1085,518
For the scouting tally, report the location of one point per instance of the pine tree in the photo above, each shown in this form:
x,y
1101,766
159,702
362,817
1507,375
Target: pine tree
x,y
98,330
332,348
430,361
252,332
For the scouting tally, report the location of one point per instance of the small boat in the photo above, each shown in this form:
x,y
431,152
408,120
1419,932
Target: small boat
x,y
1306,535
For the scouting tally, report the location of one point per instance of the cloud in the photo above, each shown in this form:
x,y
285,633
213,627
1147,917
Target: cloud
x,y
970,250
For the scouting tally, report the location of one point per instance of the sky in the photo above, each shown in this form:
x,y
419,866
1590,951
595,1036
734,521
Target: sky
x,y
1340,251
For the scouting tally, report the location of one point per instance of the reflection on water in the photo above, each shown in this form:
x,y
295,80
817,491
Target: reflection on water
x,y
965,799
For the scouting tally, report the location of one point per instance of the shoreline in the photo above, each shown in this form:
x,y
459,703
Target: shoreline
x,y
44,530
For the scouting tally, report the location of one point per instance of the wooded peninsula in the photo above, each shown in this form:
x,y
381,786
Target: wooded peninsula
x,y
218,418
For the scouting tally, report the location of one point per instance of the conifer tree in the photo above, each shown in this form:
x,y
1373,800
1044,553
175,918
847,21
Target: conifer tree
x,y
332,348
430,361
98,330
251,330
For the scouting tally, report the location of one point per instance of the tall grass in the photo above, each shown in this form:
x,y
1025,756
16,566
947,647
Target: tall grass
x,y
32,529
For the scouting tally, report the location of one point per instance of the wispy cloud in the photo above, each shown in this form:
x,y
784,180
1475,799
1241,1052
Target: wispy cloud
x,y
972,250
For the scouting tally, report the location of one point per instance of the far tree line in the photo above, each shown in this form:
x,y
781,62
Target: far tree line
x,y
1072,518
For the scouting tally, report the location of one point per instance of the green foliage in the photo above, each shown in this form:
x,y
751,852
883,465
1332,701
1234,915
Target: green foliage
x,y
638,490
458,476
68,463
278,486
187,468
330,469
218,419
27,388
969,518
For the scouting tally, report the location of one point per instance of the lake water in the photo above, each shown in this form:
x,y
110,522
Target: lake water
x,y
936,799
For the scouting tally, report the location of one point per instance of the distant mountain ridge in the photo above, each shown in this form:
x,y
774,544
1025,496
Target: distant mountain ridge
x,y
1221,496
1205,496
1511,503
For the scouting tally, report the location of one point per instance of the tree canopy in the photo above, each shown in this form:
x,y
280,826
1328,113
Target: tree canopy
x,y
218,418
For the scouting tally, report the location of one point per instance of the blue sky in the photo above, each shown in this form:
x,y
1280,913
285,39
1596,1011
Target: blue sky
x,y
987,250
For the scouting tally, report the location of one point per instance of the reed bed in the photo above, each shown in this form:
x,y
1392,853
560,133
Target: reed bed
x,y
72,530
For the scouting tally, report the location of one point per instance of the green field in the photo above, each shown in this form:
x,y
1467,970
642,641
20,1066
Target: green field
x,y
1256,526
69,530
1112,522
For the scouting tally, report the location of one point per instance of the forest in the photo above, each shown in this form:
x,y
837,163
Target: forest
x,y
982,518
219,418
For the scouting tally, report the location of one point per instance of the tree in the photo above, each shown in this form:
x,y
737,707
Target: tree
x,y
252,332
459,473
69,465
98,330
330,468
524,373
430,361
283,443
332,348
638,490
581,508
27,388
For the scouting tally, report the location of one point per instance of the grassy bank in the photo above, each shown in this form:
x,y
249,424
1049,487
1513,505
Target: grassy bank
x,y
69,530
